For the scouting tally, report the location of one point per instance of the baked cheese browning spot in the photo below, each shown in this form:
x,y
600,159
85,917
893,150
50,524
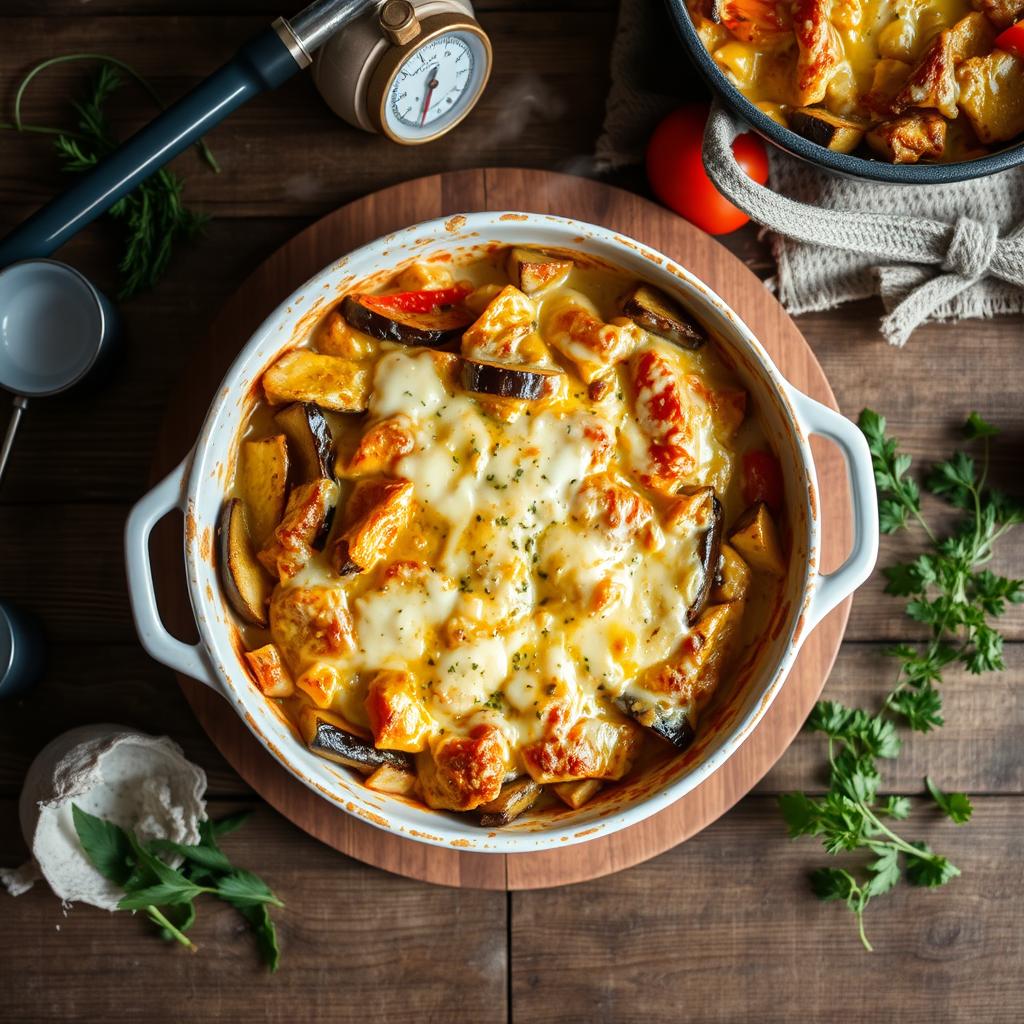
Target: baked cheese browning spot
x,y
513,593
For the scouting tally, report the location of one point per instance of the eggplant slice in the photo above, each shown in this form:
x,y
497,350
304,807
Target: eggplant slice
x,y
672,724
430,329
515,798
709,549
827,129
650,308
325,736
505,381
311,443
248,587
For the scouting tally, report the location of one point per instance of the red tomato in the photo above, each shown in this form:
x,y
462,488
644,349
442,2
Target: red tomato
x,y
762,479
677,176
1012,40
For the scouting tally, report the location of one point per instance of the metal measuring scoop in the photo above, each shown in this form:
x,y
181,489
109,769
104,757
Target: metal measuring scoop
x,y
55,330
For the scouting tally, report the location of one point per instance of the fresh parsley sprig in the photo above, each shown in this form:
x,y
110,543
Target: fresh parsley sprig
x,y
167,895
153,214
957,599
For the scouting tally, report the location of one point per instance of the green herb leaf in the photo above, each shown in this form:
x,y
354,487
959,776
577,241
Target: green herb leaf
x,y
207,857
896,807
165,893
928,869
884,870
833,884
108,846
222,826
921,707
977,427
956,806
264,932
244,889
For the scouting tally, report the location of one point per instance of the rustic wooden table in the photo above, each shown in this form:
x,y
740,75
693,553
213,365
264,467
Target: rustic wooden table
x,y
720,929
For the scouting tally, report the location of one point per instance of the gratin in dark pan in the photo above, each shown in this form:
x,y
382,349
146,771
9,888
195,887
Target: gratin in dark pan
x,y
838,163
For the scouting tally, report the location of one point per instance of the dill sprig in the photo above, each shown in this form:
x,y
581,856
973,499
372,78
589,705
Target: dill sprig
x,y
153,216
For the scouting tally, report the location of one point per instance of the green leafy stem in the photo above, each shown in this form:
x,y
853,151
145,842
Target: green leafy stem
x,y
151,885
948,591
153,214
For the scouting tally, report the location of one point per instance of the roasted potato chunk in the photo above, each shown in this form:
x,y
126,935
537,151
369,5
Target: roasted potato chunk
x,y
462,772
389,779
532,271
505,332
733,579
263,480
992,95
304,527
819,50
756,539
320,683
1002,13
329,381
933,84
576,794
377,513
887,81
398,718
593,748
905,140
267,668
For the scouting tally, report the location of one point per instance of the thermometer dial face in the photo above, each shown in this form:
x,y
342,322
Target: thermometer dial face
x,y
436,86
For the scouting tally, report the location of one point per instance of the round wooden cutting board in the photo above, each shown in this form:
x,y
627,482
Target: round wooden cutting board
x,y
540,192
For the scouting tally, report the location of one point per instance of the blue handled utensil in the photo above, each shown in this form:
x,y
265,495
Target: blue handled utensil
x,y
265,62
39,352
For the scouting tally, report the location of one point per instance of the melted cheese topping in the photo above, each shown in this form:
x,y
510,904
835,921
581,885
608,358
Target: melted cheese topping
x,y
522,586
539,575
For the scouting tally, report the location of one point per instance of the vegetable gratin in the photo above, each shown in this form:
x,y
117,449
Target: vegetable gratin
x,y
503,526
907,80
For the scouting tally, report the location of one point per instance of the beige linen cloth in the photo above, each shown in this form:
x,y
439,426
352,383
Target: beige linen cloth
x,y
937,252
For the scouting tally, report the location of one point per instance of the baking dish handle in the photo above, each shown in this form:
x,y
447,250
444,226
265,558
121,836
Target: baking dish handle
x,y
188,659
829,589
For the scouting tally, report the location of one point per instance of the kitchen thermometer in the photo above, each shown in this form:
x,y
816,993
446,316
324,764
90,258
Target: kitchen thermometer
x,y
409,70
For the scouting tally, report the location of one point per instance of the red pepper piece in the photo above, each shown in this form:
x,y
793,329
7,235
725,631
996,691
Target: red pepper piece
x,y
426,301
762,479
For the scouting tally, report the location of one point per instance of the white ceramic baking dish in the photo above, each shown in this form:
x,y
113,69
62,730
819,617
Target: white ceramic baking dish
x,y
199,485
